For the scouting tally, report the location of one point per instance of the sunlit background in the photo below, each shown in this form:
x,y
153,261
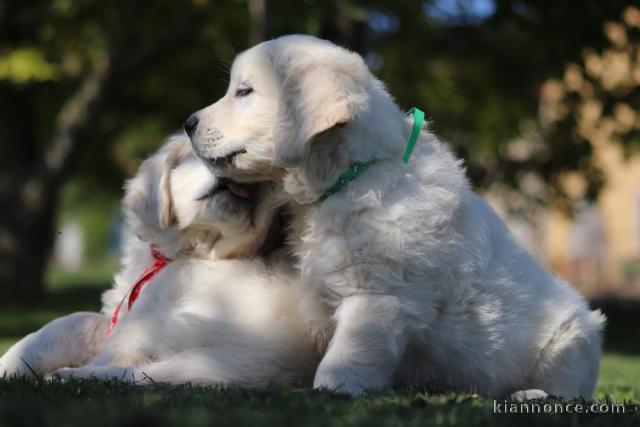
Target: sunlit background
x,y
539,97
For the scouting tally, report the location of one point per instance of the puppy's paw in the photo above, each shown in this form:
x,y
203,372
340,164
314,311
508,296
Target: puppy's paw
x,y
337,379
531,394
62,375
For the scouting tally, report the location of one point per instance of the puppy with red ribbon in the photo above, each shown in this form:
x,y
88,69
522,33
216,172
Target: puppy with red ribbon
x,y
193,301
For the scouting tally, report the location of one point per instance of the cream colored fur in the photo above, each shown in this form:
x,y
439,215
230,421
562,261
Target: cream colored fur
x,y
215,315
414,278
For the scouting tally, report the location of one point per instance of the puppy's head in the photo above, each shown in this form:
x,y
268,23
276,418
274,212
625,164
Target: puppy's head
x,y
283,95
176,203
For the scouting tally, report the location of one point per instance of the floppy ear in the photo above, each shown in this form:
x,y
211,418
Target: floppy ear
x,y
166,212
148,194
319,94
178,148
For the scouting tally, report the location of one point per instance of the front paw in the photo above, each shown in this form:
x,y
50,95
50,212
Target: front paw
x,y
62,375
336,378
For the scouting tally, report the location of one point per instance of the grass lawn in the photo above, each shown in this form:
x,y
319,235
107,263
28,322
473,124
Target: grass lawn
x,y
32,403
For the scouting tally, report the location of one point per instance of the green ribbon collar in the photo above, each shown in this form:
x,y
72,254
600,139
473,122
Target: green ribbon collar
x,y
346,177
357,168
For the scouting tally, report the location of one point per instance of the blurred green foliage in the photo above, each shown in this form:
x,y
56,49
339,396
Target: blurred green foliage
x,y
27,65
476,66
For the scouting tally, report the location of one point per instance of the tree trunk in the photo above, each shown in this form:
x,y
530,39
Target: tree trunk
x,y
258,21
339,26
26,244
33,171
30,185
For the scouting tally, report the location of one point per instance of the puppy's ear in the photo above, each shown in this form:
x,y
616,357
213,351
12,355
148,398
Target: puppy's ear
x,y
166,212
148,194
177,151
319,93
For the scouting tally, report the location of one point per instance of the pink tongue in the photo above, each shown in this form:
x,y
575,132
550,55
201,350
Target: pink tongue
x,y
238,190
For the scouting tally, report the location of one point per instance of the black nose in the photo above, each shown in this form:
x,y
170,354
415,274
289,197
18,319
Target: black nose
x,y
191,124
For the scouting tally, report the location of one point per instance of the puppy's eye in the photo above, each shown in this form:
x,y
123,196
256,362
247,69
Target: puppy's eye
x,y
244,91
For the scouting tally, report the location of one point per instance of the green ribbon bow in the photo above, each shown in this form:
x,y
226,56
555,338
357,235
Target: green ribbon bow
x,y
418,120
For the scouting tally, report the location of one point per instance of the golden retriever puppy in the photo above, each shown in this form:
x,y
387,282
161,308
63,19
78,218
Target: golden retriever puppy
x,y
414,278
212,312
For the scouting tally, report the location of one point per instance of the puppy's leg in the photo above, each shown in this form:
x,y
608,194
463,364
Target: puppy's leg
x,y
67,341
366,347
203,366
568,365
131,375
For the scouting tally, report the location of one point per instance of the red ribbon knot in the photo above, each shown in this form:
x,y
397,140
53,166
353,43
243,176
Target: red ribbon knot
x,y
160,262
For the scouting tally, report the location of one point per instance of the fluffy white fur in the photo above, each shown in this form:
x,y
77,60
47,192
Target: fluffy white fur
x,y
413,277
212,316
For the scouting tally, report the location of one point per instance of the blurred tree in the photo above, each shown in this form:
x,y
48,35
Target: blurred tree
x,y
77,75
88,88
596,101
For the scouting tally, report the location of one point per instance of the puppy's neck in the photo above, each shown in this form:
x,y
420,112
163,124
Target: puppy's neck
x,y
374,136
173,243
211,244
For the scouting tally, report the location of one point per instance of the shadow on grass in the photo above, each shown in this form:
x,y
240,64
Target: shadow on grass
x,y
98,403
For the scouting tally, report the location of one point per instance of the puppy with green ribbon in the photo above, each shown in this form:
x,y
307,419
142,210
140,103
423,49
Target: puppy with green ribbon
x,y
407,277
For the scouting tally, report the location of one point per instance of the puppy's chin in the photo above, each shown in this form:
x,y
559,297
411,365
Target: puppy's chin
x,y
245,171
242,166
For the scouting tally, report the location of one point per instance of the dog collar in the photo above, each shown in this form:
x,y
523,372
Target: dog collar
x,y
357,168
346,177
160,262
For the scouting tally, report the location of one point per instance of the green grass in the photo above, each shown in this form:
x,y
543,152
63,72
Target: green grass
x,y
28,402
619,377
110,404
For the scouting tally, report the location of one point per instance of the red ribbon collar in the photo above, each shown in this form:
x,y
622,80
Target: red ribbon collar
x,y
160,262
